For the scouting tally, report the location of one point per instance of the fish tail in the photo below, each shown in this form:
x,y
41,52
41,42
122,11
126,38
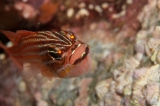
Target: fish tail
x,y
10,54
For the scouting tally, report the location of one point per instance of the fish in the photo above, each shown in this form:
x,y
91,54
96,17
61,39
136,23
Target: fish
x,y
51,53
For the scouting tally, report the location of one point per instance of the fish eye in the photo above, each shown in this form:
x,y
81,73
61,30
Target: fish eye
x,y
54,53
69,34
72,36
59,51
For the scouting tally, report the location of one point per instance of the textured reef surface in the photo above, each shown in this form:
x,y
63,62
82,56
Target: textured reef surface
x,y
124,37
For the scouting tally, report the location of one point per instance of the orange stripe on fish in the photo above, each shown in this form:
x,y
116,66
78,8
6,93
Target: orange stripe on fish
x,y
53,54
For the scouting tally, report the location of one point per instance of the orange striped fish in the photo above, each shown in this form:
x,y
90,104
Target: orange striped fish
x,y
53,54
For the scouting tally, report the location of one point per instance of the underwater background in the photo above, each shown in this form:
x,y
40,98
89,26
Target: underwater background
x,y
124,38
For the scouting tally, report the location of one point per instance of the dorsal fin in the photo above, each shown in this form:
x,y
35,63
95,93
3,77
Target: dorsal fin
x,y
14,37
25,32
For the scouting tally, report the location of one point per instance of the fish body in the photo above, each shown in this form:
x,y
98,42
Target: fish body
x,y
53,54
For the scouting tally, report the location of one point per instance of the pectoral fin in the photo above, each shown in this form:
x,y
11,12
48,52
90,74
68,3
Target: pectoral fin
x,y
30,69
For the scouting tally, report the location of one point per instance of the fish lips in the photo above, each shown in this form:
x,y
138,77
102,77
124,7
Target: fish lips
x,y
79,59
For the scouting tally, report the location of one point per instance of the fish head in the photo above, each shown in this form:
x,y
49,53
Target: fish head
x,y
77,61
73,61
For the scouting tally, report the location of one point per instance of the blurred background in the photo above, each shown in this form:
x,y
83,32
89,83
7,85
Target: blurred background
x,y
124,39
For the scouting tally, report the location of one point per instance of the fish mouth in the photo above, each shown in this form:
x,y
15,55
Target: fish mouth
x,y
79,53
82,57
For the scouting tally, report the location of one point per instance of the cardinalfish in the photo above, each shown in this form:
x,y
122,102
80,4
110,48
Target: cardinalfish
x,y
53,54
